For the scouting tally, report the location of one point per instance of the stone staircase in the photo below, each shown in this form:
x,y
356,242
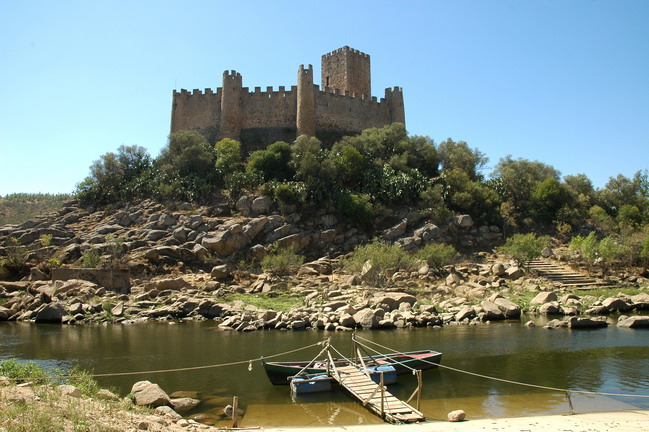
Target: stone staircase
x,y
564,276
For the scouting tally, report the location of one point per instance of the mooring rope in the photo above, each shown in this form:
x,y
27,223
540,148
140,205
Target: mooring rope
x,y
568,391
192,368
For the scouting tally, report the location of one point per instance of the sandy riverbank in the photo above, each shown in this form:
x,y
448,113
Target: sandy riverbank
x,y
619,421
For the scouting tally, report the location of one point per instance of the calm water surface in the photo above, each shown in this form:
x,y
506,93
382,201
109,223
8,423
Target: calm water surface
x,y
611,360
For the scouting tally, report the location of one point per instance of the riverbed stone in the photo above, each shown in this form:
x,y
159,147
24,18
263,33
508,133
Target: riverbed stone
x,y
182,405
586,323
456,416
149,394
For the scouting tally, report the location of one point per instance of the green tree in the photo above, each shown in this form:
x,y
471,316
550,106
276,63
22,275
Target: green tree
x,y
622,190
458,155
114,177
547,198
629,216
519,177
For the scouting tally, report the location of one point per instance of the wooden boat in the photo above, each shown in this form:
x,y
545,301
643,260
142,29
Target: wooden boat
x,y
279,372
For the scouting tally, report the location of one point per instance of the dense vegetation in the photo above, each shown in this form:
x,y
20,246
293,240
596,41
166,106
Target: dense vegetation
x,y
359,175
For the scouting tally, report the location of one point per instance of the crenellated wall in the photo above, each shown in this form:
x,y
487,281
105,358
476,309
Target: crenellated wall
x,y
258,118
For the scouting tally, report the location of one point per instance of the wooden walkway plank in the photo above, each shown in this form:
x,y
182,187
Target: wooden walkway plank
x,y
367,391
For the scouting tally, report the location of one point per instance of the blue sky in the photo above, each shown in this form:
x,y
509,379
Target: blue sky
x,y
562,82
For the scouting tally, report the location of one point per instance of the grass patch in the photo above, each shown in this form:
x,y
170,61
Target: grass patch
x,y
608,292
279,302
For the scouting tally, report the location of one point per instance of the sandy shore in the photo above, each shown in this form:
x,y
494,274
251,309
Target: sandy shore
x,y
619,421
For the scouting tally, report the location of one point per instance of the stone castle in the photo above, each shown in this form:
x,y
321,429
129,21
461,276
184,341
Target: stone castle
x,y
344,105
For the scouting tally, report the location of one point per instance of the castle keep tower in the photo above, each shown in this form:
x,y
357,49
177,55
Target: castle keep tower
x,y
347,69
344,105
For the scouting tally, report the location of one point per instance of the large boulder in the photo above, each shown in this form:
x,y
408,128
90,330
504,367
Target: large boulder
x,y
551,308
370,273
465,312
641,301
225,242
396,231
633,322
149,394
498,269
366,318
261,205
464,221
492,311
346,320
508,307
616,304
544,297
50,313
391,301
182,405
514,272
586,323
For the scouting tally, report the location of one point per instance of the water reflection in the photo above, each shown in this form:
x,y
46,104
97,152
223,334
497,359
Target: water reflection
x,y
611,360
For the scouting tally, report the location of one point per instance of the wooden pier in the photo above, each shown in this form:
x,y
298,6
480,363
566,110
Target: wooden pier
x,y
374,396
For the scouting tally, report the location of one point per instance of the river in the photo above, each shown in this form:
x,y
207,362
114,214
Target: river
x,y
613,360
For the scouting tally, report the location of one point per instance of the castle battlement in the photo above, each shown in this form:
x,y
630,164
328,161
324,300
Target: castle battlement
x,y
344,50
342,105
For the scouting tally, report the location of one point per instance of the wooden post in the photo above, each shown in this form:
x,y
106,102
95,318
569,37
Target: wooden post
x,y
420,384
235,414
382,397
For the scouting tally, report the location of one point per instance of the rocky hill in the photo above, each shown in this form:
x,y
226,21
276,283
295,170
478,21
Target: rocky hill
x,y
203,263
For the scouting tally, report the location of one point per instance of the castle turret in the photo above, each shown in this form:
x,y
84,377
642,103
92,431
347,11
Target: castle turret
x,y
305,102
230,124
394,99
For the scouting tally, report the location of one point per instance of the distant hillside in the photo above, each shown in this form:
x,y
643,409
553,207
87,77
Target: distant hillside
x,y
19,207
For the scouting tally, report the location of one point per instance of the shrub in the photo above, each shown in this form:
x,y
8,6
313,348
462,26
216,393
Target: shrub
x,y
46,239
83,380
437,255
523,248
281,261
356,208
387,257
15,263
90,259
115,250
289,194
